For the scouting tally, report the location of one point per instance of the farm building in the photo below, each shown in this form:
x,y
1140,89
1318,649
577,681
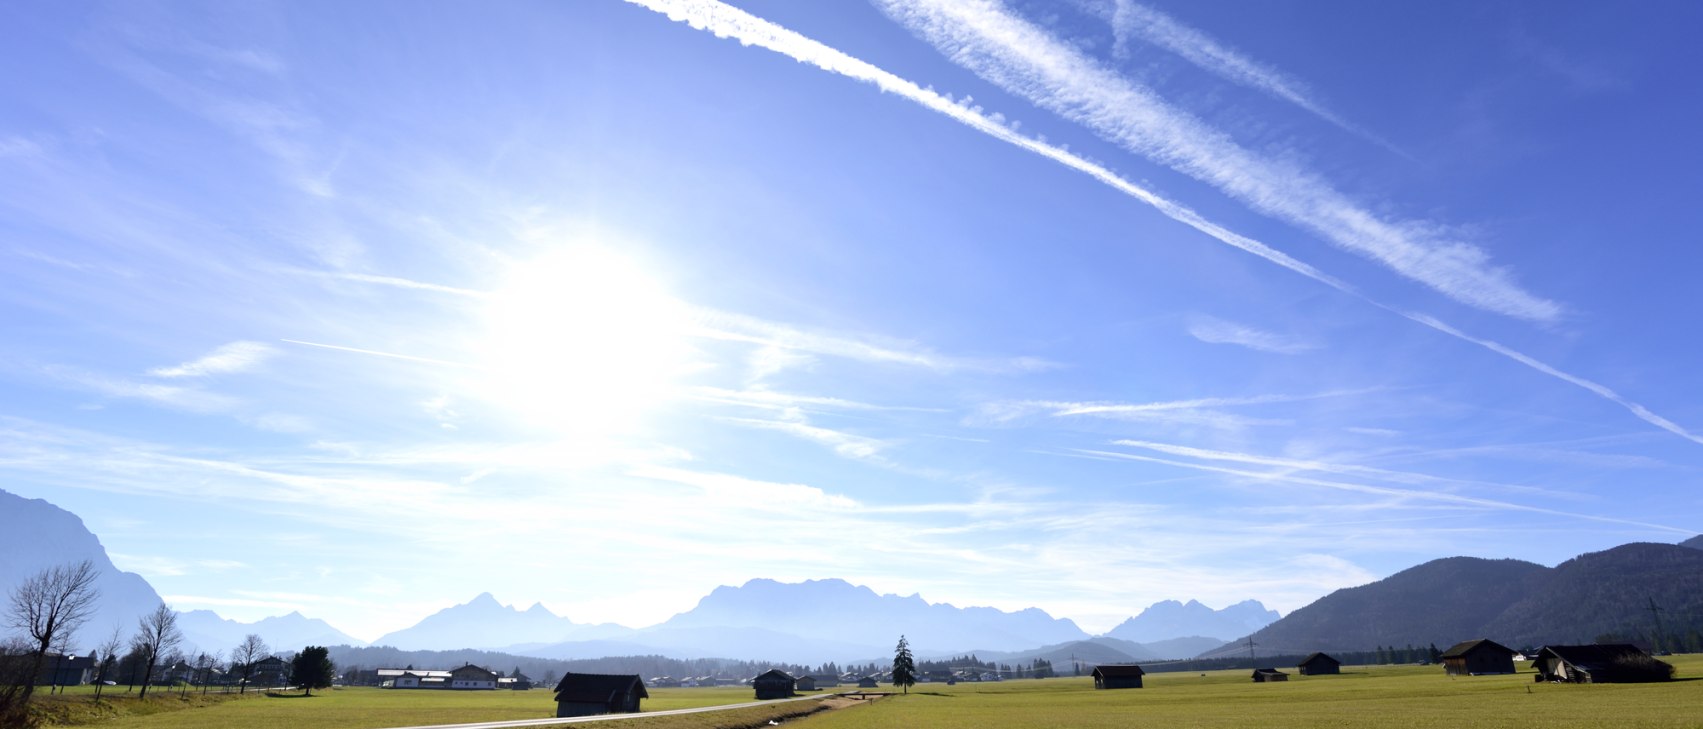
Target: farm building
x,y
1118,677
1604,663
825,680
1319,664
804,683
587,694
1482,657
472,677
867,682
1269,675
774,684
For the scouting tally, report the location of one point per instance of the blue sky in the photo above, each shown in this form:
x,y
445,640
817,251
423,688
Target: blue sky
x,y
361,310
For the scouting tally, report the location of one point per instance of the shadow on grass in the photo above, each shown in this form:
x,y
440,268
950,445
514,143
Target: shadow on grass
x,y
937,693
277,695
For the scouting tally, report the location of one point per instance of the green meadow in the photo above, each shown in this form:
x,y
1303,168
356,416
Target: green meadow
x,y
1380,696
1376,696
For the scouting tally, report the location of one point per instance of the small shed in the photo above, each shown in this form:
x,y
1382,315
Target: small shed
x,y
588,694
1118,676
1602,663
1319,664
1482,657
774,684
804,683
868,682
1269,675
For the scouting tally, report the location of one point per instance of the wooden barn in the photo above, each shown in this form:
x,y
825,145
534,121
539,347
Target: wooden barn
x,y
804,683
774,684
1269,675
1603,663
867,682
587,694
1482,657
1118,676
1319,664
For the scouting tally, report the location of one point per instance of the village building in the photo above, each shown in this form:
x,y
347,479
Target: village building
x,y
1118,676
268,671
1603,663
471,677
588,694
517,682
1269,675
1319,664
1482,657
825,680
804,683
774,684
867,682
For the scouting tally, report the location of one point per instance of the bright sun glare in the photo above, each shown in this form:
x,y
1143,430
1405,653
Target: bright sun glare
x,y
584,341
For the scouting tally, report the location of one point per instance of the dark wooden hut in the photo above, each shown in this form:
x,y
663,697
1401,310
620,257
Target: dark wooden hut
x,y
867,682
774,684
1269,675
1319,664
586,694
1602,663
1482,657
1118,676
804,683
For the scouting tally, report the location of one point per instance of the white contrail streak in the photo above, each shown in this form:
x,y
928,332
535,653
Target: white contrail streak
x,y
1026,61
728,22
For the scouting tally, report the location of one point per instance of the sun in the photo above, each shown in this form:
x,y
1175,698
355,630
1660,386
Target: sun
x,y
583,340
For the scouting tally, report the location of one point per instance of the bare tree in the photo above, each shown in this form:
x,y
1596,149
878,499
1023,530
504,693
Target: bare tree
x,y
156,634
251,649
107,654
49,607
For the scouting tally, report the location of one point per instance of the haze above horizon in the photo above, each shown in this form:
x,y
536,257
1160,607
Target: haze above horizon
x,y
358,311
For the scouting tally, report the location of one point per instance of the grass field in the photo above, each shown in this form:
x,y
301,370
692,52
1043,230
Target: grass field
x,y
1383,696
355,708
1379,696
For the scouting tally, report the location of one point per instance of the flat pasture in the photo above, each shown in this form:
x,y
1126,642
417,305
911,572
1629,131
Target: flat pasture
x,y
370,708
1377,696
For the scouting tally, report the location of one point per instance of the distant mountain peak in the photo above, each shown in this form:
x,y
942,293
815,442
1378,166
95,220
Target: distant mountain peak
x,y
1170,619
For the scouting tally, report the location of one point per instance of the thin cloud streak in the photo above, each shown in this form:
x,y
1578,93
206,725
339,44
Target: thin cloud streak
x,y
1213,330
727,22
1443,498
1027,62
1149,24
233,357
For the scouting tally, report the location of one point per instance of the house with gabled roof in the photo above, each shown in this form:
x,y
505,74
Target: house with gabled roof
x,y
589,694
1601,663
470,677
1269,675
1482,657
774,684
1319,664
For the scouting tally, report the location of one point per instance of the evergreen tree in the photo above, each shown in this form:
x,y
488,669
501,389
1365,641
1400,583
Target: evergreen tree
x,y
312,668
904,666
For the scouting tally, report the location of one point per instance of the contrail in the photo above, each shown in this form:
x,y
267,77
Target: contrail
x,y
728,22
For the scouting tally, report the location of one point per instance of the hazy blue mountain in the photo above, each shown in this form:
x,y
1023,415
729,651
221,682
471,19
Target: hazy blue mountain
x,y
859,614
36,535
484,623
1694,542
204,630
1171,619
1065,656
1608,592
1179,648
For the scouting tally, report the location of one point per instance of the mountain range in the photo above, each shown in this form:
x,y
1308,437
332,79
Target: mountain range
x,y
1516,603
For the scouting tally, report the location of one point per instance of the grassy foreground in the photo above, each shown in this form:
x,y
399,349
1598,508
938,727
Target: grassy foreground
x,y
1376,696
1382,696
355,708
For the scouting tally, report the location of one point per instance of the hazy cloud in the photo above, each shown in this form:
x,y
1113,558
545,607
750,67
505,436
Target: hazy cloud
x,y
1218,331
233,357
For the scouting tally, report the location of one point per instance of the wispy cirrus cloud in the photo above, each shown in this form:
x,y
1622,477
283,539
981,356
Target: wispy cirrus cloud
x,y
1218,331
849,445
1409,495
1024,60
1132,20
728,22
228,358
1209,411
